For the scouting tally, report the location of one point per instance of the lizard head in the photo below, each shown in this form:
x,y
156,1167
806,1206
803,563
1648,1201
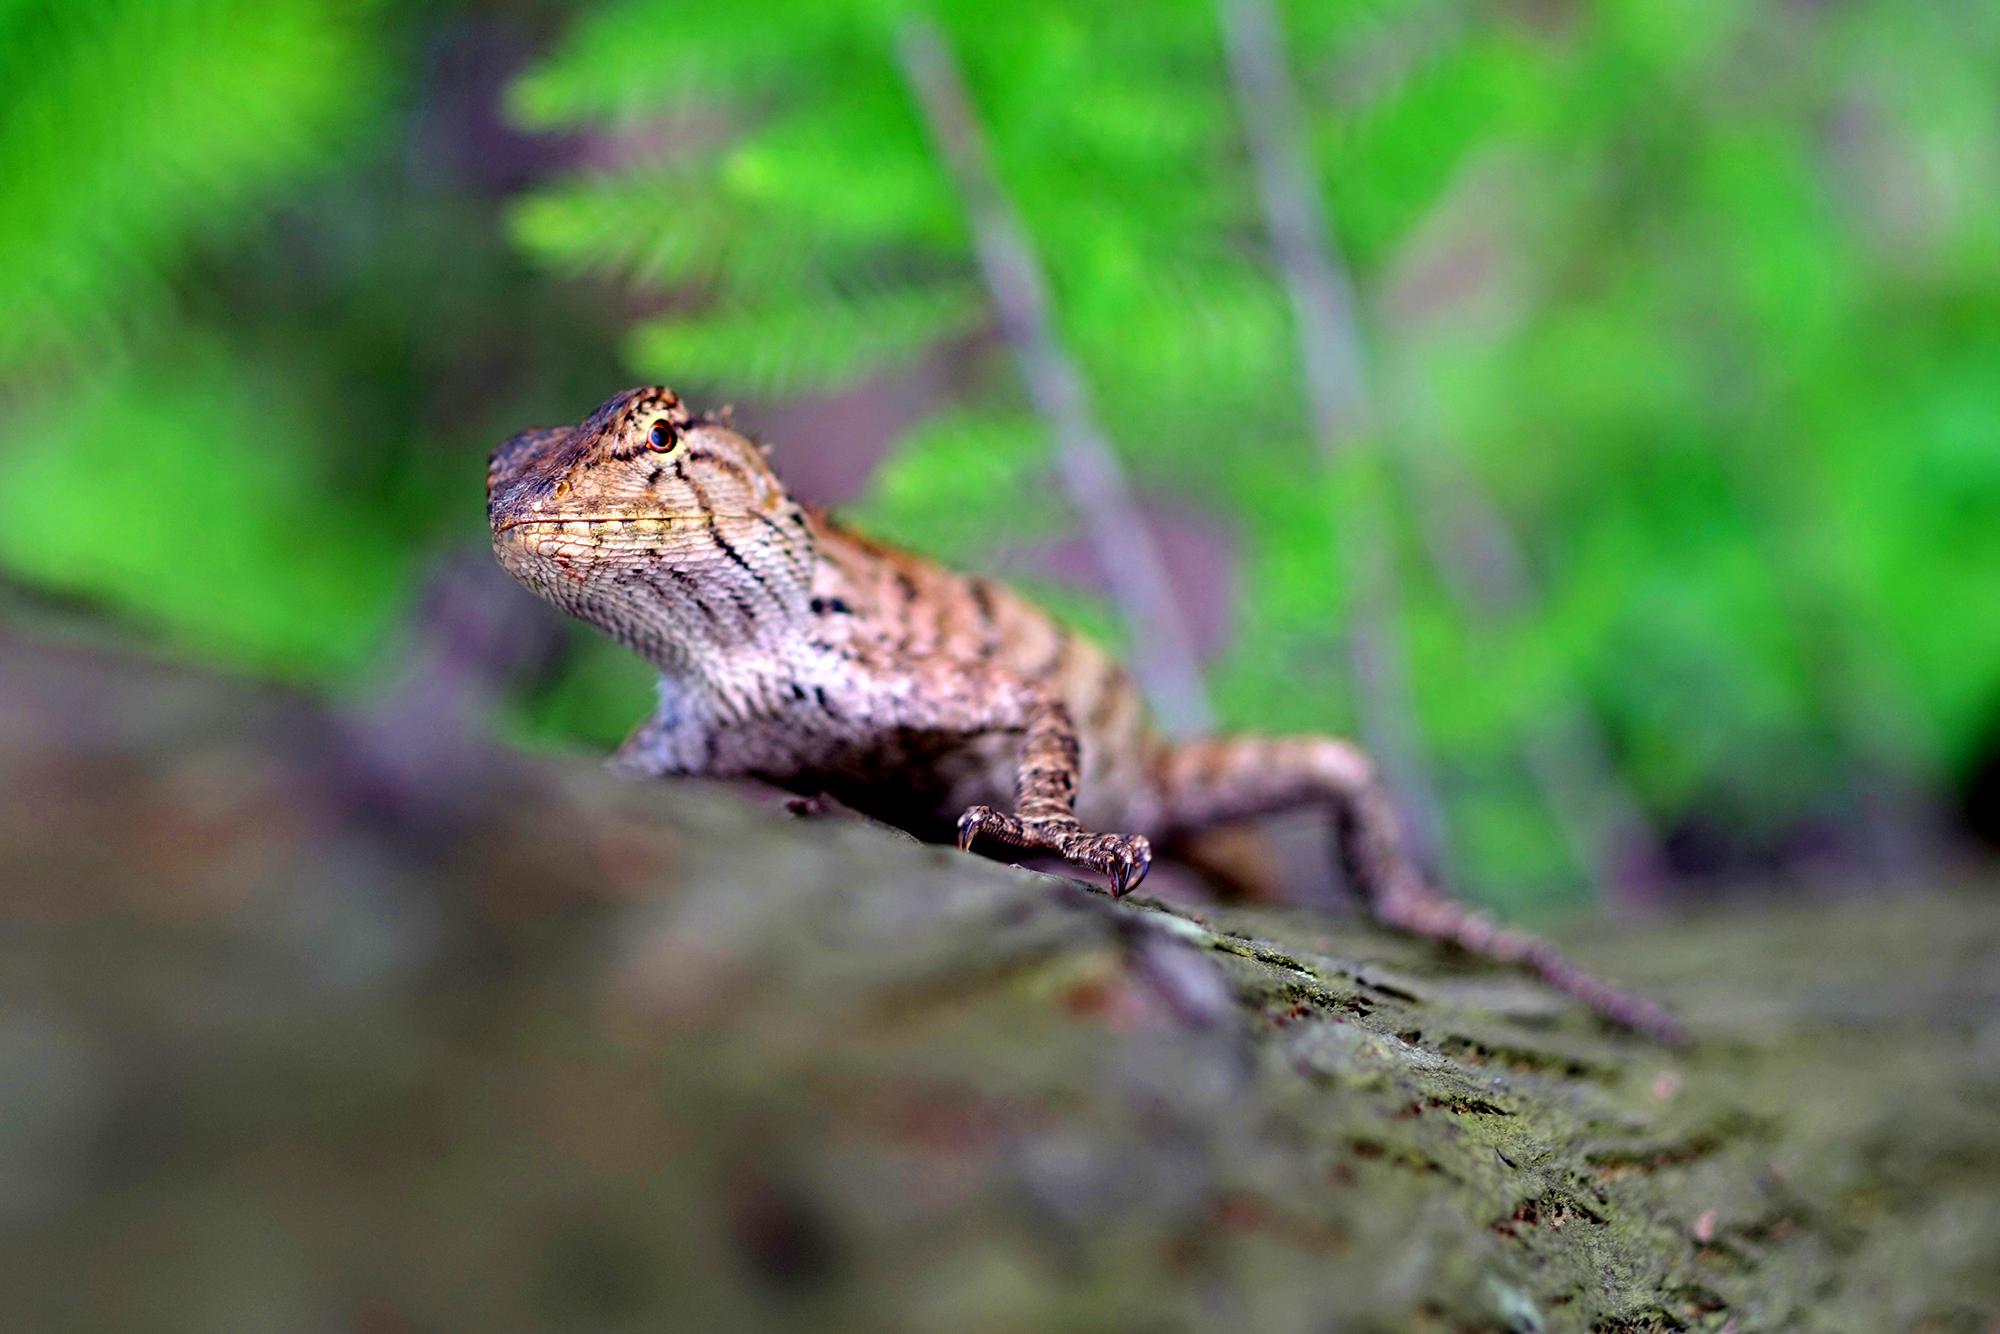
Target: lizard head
x,y
649,522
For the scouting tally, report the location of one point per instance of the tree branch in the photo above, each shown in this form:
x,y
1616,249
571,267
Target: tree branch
x,y
1164,659
1329,344
1567,756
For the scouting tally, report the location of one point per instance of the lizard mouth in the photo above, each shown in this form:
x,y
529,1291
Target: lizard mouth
x,y
664,518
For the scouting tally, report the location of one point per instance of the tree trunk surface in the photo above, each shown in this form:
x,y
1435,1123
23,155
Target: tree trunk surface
x,y
347,1019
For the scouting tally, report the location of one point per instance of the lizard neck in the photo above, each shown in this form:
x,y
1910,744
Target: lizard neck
x,y
728,597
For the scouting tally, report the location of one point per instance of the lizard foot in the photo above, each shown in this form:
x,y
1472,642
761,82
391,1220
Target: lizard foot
x,y
1125,858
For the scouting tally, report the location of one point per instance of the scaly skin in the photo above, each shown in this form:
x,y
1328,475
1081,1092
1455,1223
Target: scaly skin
x,y
797,652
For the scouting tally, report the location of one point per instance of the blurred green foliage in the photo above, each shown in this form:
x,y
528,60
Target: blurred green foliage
x,y
1707,297
260,325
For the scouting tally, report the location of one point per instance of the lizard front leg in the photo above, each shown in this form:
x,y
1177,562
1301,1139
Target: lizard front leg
x,y
672,740
1210,782
949,697
1045,801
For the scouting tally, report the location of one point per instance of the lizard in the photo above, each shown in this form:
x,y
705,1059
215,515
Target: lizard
x,y
796,651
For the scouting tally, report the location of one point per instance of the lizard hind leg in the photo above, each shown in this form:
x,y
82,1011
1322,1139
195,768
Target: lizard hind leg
x,y
1234,778
1044,804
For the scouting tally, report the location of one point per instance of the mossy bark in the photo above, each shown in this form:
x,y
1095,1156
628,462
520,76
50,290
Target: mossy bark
x,y
306,1033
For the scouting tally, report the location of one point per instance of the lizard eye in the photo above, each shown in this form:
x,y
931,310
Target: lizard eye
x,y
663,437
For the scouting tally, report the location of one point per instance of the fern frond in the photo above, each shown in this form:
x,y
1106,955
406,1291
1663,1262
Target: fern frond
x,y
208,532
132,127
806,344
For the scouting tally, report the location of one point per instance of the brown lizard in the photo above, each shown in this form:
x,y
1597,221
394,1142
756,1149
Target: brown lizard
x,y
795,651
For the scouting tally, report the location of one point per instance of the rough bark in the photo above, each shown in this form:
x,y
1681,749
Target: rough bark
x,y
309,1028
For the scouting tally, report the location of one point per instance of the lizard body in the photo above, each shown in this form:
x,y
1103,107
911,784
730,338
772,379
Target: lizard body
x,y
798,652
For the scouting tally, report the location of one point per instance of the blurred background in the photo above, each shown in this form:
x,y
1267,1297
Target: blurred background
x,y
1592,405
1634,490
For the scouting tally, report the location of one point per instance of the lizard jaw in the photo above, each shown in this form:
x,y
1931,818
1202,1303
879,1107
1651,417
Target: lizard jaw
x,y
664,519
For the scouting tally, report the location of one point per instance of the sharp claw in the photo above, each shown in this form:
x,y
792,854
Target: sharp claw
x,y
1132,868
968,828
